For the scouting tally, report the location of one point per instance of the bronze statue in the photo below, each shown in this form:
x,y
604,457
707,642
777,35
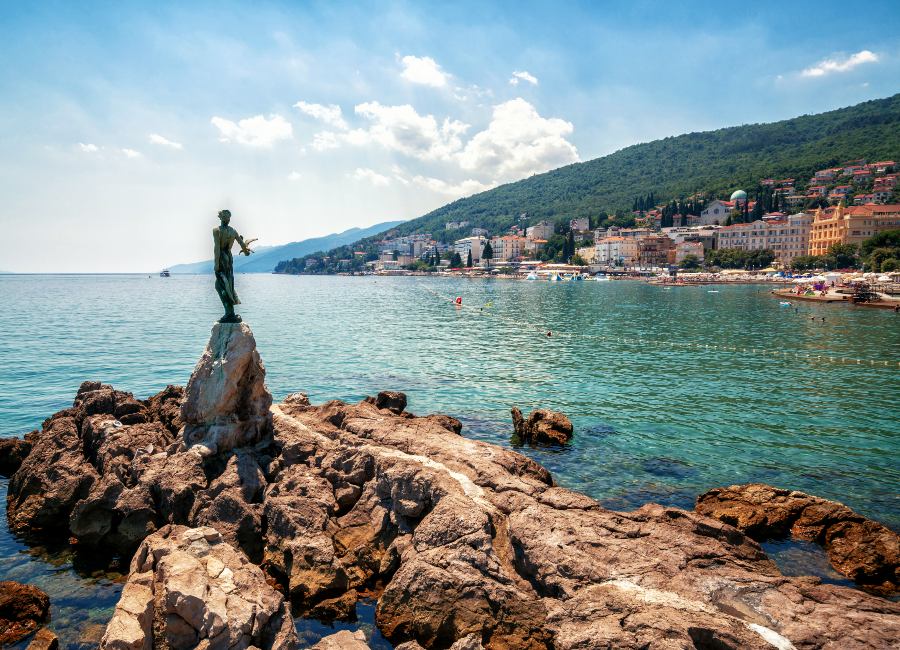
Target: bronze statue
x,y
223,265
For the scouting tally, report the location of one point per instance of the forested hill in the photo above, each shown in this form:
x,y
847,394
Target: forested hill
x,y
712,162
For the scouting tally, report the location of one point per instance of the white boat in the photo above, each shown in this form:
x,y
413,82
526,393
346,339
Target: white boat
x,y
165,273
602,278
532,276
555,277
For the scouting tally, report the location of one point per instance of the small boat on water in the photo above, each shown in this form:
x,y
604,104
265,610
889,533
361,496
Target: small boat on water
x,y
601,278
165,273
532,276
555,277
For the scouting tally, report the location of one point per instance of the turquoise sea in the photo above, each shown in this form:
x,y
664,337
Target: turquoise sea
x,y
672,390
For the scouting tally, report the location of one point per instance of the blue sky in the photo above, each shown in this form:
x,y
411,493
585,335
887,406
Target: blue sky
x,y
124,127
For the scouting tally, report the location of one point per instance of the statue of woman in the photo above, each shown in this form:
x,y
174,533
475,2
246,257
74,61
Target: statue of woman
x,y
223,265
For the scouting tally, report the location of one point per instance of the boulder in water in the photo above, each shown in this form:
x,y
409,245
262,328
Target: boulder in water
x,y
861,549
542,426
23,608
12,452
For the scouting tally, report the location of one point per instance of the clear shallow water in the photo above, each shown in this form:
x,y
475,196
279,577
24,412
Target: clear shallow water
x,y
654,421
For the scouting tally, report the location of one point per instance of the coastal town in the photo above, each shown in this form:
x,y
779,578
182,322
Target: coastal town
x,y
787,225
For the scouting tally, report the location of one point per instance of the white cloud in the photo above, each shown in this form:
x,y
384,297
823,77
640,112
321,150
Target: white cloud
x,y
257,131
330,114
522,75
402,129
325,140
423,70
88,147
370,176
156,138
131,153
455,190
294,176
828,66
518,142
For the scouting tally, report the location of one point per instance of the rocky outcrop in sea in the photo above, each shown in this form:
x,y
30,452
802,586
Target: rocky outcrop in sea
x,y
230,505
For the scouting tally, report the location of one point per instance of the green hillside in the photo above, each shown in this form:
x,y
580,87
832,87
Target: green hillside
x,y
712,162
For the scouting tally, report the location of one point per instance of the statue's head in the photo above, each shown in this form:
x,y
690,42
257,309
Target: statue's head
x,y
224,216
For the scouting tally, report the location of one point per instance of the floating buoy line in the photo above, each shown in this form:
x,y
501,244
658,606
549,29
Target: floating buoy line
x,y
541,329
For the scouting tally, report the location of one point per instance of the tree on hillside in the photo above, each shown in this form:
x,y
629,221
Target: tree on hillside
x,y
488,253
690,262
469,259
456,260
879,248
842,256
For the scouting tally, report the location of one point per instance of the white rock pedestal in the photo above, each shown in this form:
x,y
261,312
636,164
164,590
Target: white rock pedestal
x,y
226,402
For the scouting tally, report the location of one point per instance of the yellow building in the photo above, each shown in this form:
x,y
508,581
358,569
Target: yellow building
x,y
850,225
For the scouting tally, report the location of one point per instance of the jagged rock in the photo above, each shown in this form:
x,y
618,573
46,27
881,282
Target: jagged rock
x,y
297,399
165,407
464,543
473,542
447,422
233,503
44,639
226,403
542,426
392,400
859,548
188,588
23,608
51,480
12,452
343,640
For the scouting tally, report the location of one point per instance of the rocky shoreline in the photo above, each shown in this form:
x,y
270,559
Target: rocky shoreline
x,y
238,514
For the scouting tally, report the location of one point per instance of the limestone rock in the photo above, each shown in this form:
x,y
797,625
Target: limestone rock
x,y
473,544
44,639
188,588
226,402
542,426
23,608
12,452
861,549
343,640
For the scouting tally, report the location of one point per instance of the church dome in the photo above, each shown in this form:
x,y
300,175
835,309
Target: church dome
x,y
739,195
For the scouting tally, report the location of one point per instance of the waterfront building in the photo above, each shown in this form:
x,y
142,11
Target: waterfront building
x,y
534,246
745,236
587,253
540,230
468,245
508,247
706,235
653,250
851,225
616,251
685,248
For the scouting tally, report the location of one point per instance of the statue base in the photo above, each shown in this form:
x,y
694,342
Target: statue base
x,y
230,318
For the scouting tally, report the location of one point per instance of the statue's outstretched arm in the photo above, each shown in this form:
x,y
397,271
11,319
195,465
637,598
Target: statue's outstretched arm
x,y
245,245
